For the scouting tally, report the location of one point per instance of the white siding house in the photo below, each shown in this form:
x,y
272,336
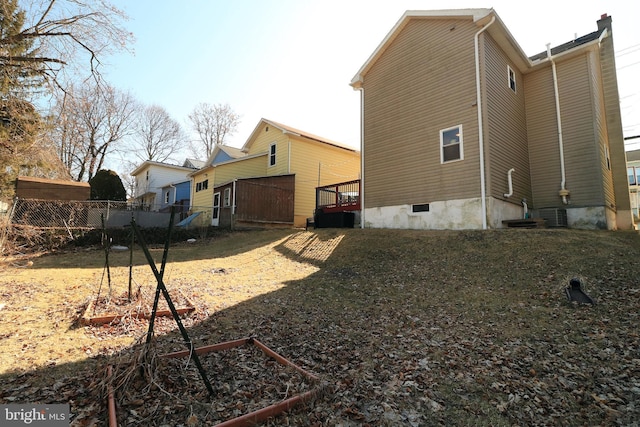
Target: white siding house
x,y
150,178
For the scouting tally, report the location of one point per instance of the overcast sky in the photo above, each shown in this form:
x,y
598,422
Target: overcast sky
x,y
291,61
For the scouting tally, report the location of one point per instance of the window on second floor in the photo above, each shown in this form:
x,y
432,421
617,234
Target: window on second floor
x,y
451,144
166,196
634,175
272,154
512,78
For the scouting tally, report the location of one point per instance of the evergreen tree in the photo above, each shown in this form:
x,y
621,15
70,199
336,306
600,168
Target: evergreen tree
x,y
18,70
107,185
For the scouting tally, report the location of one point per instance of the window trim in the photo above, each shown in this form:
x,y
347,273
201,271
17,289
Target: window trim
x,y
460,144
512,83
272,155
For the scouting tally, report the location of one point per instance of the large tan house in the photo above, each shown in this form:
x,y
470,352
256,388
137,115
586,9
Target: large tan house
x,y
462,130
272,179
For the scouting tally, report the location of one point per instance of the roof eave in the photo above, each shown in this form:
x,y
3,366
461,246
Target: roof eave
x,y
478,15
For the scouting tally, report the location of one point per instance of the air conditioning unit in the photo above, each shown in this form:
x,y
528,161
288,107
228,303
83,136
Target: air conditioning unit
x,y
554,217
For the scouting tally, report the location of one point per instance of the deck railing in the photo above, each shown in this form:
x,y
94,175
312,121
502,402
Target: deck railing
x,y
341,197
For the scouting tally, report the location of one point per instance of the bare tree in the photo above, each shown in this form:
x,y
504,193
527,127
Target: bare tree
x,y
41,38
157,135
25,148
213,123
91,121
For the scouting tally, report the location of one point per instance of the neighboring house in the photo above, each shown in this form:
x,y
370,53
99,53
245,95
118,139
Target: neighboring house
x,y
461,130
272,150
28,187
633,174
154,181
176,194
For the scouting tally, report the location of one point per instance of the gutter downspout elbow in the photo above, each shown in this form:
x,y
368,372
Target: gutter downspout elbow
x,y
483,190
509,179
563,193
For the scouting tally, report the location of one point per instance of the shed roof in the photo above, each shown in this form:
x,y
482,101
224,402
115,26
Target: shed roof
x,y
52,181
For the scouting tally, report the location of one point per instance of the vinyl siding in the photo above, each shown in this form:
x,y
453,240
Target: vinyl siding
x,y
422,83
204,198
316,164
266,136
159,177
542,133
506,130
246,168
614,127
582,150
600,130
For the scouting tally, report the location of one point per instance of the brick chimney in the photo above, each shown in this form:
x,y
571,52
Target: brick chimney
x,y
604,22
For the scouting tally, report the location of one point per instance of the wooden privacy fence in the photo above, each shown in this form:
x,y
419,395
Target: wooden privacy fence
x,y
265,200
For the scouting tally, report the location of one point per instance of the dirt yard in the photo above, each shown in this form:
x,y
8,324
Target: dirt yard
x,y
401,328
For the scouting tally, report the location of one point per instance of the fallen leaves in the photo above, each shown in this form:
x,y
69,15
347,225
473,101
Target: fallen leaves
x,y
403,328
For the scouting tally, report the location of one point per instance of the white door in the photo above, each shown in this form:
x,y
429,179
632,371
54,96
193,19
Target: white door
x,y
215,215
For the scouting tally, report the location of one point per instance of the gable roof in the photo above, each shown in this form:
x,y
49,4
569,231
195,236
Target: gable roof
x,y
234,153
193,163
293,131
497,30
604,25
148,163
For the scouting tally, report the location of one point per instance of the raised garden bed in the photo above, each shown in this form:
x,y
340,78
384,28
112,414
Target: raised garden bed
x,y
252,383
103,310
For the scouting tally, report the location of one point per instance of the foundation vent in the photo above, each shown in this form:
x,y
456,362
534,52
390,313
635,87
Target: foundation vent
x,y
554,217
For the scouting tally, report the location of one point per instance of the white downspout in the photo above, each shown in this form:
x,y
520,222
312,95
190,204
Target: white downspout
x,y
233,205
563,190
483,191
174,193
361,89
509,179
233,199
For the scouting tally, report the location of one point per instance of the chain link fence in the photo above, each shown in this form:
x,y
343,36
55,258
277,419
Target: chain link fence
x,y
28,223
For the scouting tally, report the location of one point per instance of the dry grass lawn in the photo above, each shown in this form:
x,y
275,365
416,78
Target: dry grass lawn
x,y
403,327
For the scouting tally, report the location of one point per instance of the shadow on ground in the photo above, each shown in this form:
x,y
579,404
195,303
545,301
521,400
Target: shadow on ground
x,y
414,328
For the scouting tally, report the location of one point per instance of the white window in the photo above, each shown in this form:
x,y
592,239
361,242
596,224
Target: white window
x,y
166,196
451,144
512,78
227,197
272,154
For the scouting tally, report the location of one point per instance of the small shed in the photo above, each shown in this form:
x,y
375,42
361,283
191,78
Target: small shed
x,y
28,187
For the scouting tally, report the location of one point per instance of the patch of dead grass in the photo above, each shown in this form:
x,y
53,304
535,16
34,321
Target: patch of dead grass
x,y
406,327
